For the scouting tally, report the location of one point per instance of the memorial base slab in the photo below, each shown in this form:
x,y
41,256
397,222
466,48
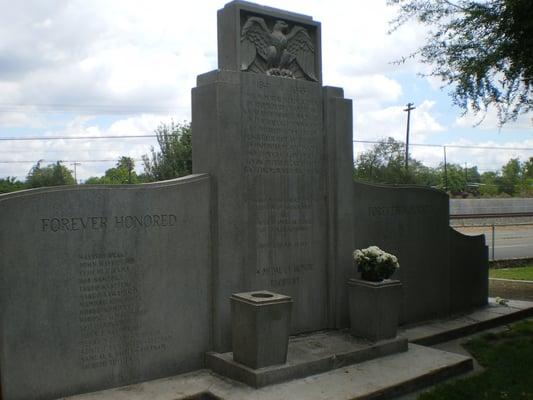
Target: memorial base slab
x,y
307,355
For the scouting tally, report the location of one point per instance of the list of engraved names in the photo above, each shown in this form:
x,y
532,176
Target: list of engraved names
x,y
110,310
283,169
281,130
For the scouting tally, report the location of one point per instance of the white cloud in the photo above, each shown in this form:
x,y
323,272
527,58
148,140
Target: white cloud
x,y
84,149
392,121
372,89
122,66
14,119
489,121
487,155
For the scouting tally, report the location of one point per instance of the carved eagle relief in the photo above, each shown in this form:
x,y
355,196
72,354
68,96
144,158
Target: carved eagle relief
x,y
277,52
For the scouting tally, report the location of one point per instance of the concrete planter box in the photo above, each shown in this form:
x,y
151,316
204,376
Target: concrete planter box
x,y
261,324
374,308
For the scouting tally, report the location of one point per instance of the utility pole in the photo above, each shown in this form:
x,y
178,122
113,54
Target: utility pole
x,y
75,164
408,109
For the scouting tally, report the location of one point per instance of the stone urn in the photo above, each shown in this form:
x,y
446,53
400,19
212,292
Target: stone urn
x,y
374,308
261,323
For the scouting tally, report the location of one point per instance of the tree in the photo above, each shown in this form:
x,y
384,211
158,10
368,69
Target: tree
x,y
10,184
122,173
52,175
385,163
454,180
527,176
472,175
511,176
175,156
528,168
483,49
490,182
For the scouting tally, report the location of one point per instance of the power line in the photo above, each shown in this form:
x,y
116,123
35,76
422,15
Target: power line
x,y
60,107
83,105
63,161
460,146
77,137
144,136
54,151
412,144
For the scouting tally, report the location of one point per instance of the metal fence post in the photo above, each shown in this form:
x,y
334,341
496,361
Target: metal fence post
x,y
493,240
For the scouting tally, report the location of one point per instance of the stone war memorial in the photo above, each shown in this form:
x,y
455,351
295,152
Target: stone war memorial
x,y
240,268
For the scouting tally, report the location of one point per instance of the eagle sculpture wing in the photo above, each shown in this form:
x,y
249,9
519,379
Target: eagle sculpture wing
x,y
255,39
300,45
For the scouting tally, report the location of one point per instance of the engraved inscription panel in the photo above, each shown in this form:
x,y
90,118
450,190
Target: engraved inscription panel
x,y
283,170
396,211
111,303
102,286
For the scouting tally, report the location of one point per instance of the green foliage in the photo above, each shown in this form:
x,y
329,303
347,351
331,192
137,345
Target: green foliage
x,y
454,179
526,186
385,163
482,49
528,168
175,156
489,184
423,175
52,175
10,184
519,273
122,173
508,361
511,176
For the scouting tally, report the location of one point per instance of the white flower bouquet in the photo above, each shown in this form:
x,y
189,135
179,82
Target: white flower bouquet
x,y
375,264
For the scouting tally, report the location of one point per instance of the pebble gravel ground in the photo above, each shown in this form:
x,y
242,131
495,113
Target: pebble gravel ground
x,y
508,289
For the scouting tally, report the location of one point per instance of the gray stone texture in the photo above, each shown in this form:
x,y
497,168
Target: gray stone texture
x,y
380,378
308,355
102,286
339,157
412,223
374,308
460,325
261,323
469,271
261,138
232,18
279,152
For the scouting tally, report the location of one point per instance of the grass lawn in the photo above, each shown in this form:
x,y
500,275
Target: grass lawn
x,y
508,359
520,273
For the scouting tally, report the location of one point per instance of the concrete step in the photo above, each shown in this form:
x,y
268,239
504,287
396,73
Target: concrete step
x,y
380,378
444,329
307,355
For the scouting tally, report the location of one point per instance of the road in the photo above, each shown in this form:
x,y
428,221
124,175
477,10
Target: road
x,y
510,241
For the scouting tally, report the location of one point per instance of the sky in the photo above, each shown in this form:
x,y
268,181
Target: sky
x,y
78,68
